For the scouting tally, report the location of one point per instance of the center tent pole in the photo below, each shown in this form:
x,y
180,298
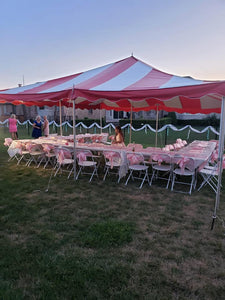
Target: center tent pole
x,y
220,158
60,116
156,126
130,123
101,118
74,139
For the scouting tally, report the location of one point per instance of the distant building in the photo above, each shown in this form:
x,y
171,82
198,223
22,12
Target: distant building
x,y
186,116
24,113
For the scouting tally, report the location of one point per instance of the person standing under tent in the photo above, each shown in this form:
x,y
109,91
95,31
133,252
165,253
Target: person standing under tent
x,y
46,126
13,126
37,128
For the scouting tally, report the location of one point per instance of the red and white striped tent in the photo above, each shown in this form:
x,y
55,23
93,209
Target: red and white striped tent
x,y
128,85
123,85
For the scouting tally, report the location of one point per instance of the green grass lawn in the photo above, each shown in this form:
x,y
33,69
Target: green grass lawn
x,y
104,240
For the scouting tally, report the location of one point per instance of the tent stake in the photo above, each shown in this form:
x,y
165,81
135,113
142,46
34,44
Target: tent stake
x,y
213,221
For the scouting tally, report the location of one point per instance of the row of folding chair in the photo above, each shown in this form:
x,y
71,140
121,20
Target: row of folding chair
x,y
172,170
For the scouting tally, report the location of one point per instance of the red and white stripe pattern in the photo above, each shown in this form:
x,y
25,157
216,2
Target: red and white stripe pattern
x,y
120,85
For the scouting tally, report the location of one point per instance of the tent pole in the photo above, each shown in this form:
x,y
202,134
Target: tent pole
x,y
130,124
74,142
101,118
220,158
60,116
156,126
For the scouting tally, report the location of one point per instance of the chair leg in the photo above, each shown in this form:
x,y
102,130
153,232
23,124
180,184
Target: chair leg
x,y
192,183
93,173
106,172
57,170
129,177
168,182
143,180
47,161
41,160
204,182
20,159
153,174
78,172
173,180
70,173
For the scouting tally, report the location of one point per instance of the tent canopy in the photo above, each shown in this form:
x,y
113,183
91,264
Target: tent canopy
x,y
121,85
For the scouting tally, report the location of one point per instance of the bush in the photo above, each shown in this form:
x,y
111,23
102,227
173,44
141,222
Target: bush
x,y
138,123
173,117
88,122
209,121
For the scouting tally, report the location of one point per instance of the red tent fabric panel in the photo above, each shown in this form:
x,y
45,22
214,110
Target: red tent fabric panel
x,y
120,85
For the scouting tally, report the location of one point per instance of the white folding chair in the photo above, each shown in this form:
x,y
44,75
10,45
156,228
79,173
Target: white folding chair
x,y
86,163
49,157
113,162
137,165
210,177
162,170
7,143
64,161
23,153
36,154
184,167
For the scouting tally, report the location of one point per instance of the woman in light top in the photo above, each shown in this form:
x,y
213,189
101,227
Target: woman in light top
x,y
37,130
119,138
46,126
13,126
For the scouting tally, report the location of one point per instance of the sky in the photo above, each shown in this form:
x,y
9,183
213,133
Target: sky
x,y
47,39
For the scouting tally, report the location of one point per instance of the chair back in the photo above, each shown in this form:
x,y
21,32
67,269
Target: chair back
x,y
135,158
113,157
48,148
62,154
184,162
82,155
161,158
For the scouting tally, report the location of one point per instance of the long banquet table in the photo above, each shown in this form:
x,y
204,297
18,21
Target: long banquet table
x,y
199,151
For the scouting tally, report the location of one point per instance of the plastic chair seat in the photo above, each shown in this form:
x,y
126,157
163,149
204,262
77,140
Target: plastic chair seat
x,y
184,172
138,167
87,163
161,167
67,161
115,164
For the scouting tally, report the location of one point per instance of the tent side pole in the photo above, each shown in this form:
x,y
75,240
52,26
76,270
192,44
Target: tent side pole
x,y
101,118
220,156
156,126
130,124
60,116
74,142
